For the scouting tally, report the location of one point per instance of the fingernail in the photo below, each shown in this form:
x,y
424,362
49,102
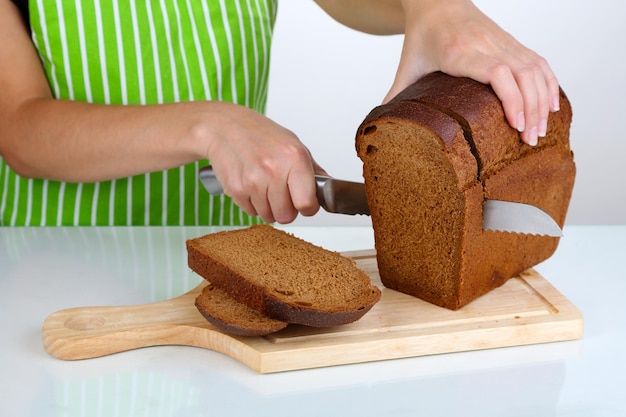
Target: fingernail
x,y
555,103
543,127
520,122
531,136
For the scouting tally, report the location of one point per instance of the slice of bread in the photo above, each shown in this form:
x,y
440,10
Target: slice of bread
x,y
283,277
233,317
431,156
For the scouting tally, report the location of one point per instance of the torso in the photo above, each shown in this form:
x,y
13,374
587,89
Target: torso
x,y
123,52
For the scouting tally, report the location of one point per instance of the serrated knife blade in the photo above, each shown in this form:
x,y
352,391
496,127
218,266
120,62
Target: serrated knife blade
x,y
507,216
347,197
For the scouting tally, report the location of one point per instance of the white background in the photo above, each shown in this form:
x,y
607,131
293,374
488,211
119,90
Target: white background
x,y
325,78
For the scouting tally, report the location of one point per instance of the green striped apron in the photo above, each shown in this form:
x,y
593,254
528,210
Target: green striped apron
x,y
143,52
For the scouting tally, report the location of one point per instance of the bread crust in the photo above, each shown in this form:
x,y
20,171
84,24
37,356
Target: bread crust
x,y
227,314
431,157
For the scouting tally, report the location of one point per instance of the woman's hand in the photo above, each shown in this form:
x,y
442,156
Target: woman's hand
x,y
455,37
261,165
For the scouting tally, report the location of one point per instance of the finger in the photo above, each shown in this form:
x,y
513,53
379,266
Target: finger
x,y
247,206
529,86
506,88
539,90
253,190
411,67
318,170
552,84
522,90
245,202
395,89
543,104
545,86
233,187
279,199
492,71
262,207
303,192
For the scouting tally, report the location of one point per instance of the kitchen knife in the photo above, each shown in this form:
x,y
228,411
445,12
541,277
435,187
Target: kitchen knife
x,y
347,197
335,196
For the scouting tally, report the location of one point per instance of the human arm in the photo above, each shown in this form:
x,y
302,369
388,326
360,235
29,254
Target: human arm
x,y
455,37
263,166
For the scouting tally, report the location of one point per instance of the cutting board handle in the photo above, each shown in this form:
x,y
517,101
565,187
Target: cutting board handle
x,y
89,332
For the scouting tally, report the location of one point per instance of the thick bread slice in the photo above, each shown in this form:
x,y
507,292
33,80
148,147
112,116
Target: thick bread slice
x,y
231,316
431,156
421,183
283,277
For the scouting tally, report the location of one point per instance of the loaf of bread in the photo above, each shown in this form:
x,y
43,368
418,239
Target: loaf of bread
x,y
431,156
282,277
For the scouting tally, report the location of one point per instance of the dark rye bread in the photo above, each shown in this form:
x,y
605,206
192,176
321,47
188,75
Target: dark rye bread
x,y
283,277
233,317
431,156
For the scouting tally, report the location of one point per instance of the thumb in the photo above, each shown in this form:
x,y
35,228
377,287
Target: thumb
x,y
412,67
405,76
319,170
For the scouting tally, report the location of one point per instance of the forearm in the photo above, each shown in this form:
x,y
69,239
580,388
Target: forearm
x,y
75,141
80,142
385,17
378,17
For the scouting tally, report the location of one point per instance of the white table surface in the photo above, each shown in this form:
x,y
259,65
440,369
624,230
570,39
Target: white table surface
x,y
43,270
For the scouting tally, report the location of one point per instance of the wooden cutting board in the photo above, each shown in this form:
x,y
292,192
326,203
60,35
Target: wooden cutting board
x,y
525,310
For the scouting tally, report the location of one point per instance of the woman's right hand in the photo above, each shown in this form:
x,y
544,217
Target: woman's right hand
x,y
262,166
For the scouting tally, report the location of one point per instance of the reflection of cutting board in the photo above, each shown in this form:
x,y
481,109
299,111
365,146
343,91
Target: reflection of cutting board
x,y
525,310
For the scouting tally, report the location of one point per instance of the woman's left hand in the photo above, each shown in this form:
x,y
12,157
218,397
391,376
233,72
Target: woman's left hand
x,y
455,37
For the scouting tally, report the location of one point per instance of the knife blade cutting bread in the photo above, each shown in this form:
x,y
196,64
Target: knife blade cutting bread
x,y
431,157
